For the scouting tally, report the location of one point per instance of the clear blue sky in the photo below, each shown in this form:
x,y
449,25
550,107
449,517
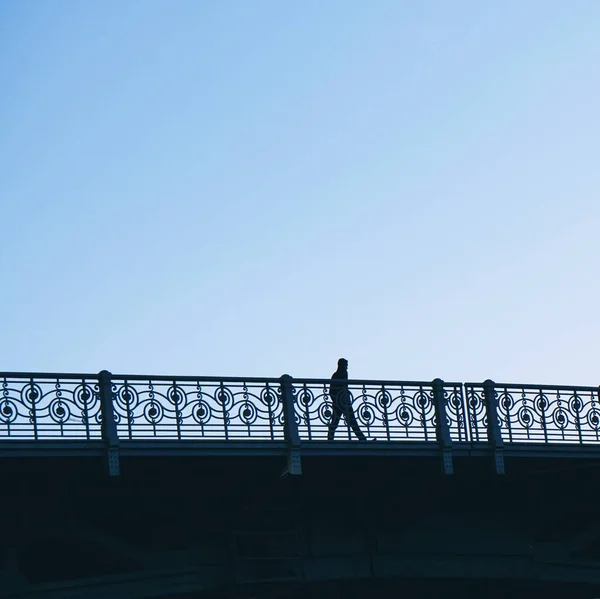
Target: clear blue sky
x,y
257,187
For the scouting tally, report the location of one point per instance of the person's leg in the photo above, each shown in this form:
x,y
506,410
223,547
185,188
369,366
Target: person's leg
x,y
353,424
335,420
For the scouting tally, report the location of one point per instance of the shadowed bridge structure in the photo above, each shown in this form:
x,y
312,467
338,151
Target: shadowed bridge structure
x,y
179,487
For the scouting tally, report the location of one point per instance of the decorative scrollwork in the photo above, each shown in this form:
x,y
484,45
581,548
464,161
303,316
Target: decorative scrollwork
x,y
198,409
382,412
203,412
476,413
456,413
8,411
548,415
46,408
593,420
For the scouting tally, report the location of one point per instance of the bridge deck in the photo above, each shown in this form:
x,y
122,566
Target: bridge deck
x,y
148,448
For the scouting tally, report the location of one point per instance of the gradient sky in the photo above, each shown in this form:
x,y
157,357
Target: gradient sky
x,y
234,187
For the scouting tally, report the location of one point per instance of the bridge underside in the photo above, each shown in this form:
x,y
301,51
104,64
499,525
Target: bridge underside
x,y
217,526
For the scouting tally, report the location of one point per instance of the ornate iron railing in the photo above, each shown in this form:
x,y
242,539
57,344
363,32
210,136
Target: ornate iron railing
x,y
82,406
383,410
193,408
456,412
477,413
536,413
49,406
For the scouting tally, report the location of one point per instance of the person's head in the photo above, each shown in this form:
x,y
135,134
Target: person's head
x,y
343,364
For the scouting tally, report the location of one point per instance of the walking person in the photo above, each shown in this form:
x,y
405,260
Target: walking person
x,y
342,402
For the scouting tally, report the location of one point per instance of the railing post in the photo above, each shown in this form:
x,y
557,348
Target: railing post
x,y
493,425
290,426
109,426
442,429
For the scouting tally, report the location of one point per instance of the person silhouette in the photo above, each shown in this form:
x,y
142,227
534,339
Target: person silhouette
x,y
342,402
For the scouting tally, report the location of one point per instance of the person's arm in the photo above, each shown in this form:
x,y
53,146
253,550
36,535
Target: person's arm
x,y
334,387
338,385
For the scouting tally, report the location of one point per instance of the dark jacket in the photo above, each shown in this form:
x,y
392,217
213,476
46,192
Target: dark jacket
x,y
338,390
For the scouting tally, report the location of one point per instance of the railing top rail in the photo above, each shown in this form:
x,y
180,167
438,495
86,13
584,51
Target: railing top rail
x,y
276,380
48,375
193,379
238,379
136,377
536,387
373,382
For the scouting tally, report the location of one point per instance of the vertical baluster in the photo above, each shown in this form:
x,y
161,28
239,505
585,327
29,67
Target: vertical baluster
x,y
223,399
543,400
508,406
33,397
465,398
6,408
422,404
270,410
244,411
85,396
472,425
463,420
526,415
128,396
364,409
476,396
60,411
349,399
307,411
577,404
326,398
153,410
176,391
386,415
402,411
454,419
558,418
200,409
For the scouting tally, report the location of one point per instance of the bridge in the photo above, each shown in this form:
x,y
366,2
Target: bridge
x,y
179,487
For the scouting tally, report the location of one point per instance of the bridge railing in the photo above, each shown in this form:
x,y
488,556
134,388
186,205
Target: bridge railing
x,y
72,406
477,412
456,412
384,410
535,413
49,406
197,408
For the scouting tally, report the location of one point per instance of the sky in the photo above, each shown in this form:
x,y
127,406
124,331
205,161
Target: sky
x,y
224,187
